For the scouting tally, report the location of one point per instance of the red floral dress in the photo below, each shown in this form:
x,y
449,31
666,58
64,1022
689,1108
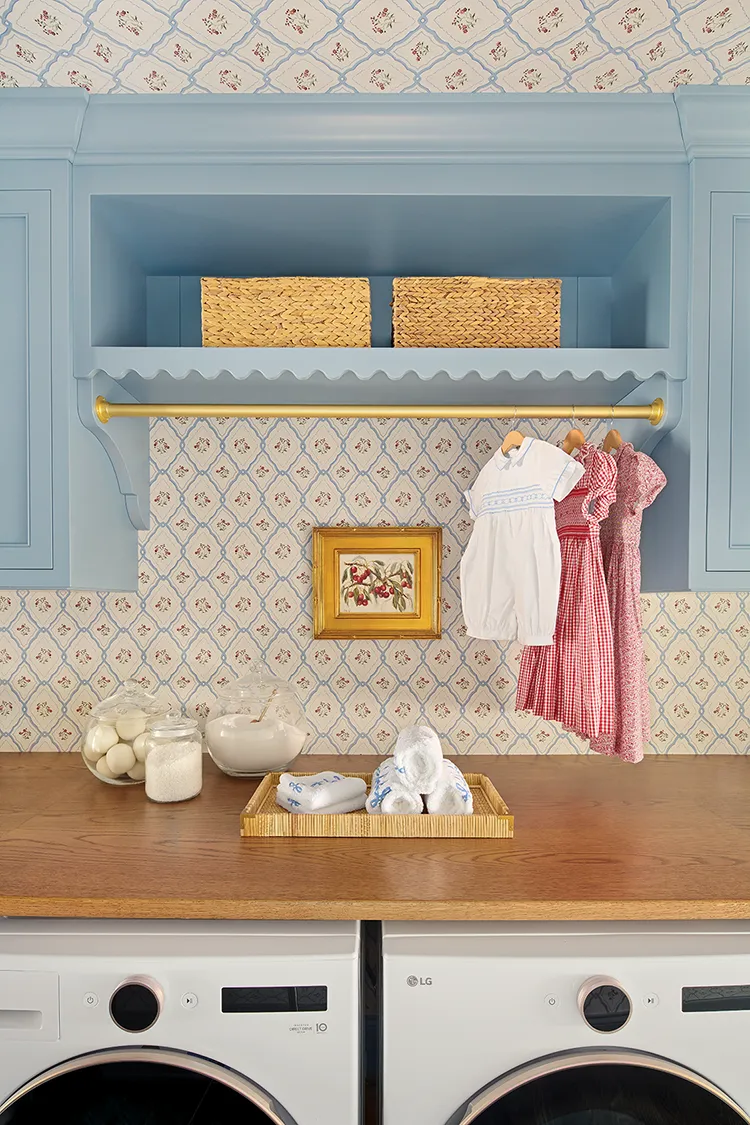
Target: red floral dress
x,y
571,681
639,482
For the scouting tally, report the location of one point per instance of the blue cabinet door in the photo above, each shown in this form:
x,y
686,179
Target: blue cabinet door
x,y
25,382
728,493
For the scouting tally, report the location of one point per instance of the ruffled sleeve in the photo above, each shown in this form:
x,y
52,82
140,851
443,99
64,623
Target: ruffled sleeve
x,y
562,472
602,481
649,481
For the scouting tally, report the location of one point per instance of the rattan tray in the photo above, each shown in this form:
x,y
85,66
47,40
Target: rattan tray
x,y
263,817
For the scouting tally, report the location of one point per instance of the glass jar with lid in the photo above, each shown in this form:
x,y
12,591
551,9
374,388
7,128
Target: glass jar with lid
x,y
256,726
174,758
114,740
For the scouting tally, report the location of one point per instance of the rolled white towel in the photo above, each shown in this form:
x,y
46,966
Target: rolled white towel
x,y
389,794
418,757
452,797
320,792
289,803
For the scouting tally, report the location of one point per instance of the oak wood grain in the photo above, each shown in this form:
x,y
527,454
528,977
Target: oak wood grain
x,y
595,838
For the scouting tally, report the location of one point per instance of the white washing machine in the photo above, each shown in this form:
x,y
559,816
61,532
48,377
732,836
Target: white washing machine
x,y
566,1024
179,1023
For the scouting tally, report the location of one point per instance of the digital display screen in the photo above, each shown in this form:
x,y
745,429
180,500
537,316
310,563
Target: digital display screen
x,y
717,998
295,998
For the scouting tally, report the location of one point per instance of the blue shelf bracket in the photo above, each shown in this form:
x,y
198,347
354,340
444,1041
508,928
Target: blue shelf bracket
x,y
125,441
647,437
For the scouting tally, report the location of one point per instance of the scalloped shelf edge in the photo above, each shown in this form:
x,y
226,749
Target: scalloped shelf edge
x,y
393,365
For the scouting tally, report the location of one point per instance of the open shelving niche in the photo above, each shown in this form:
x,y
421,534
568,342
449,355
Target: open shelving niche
x,y
614,255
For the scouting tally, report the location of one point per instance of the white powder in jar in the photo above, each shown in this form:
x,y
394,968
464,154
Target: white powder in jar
x,y
243,745
174,771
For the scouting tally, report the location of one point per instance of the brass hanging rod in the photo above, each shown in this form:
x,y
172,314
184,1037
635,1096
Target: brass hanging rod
x,y
652,412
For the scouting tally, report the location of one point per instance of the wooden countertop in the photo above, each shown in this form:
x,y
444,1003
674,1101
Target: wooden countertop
x,y
595,838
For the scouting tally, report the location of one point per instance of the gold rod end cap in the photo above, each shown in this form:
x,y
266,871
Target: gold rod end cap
x,y
657,411
101,409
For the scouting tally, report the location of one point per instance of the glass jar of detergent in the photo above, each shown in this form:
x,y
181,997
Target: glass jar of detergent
x,y
114,740
257,725
174,758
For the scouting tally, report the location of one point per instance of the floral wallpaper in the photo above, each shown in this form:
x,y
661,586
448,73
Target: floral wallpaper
x,y
225,578
389,46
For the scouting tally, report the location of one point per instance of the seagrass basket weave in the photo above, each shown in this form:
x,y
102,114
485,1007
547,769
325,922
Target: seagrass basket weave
x,y
476,312
285,312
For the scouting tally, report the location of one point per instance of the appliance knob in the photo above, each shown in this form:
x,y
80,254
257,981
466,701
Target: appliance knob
x,y
136,1004
604,1004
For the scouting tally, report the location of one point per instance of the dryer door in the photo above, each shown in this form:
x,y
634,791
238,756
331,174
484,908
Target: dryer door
x,y
141,1086
601,1088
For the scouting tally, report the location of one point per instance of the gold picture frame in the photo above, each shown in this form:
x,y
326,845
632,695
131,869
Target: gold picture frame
x,y
376,583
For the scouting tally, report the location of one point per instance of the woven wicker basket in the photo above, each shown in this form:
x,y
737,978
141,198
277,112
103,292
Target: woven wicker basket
x,y
476,312
285,312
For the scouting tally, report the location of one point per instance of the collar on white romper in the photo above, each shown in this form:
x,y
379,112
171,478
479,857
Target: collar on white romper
x,y
505,460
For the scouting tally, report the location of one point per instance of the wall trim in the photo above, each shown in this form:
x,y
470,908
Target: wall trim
x,y
715,120
41,124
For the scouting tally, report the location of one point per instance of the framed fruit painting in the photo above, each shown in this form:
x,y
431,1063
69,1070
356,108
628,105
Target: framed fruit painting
x,y
376,582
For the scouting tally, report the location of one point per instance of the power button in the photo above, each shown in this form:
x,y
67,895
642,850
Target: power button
x,y
90,1000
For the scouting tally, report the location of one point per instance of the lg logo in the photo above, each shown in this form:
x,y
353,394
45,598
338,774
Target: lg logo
x,y
414,982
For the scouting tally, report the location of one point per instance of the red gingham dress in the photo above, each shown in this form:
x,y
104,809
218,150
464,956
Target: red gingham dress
x,y
639,482
571,681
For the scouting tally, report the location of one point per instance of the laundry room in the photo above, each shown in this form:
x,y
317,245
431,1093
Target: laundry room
x,y
374,563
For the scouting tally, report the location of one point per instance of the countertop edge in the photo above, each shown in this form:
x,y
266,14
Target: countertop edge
x,y
363,910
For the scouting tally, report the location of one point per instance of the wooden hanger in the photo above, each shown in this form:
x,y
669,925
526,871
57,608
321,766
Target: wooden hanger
x,y
574,440
612,441
513,440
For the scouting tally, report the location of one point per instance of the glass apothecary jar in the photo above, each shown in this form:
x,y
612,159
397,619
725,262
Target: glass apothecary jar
x,y
257,725
114,741
174,758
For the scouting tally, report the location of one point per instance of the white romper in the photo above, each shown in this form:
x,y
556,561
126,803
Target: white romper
x,y
510,571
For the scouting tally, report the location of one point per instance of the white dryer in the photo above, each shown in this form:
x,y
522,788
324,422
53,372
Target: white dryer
x,y
179,1023
566,1024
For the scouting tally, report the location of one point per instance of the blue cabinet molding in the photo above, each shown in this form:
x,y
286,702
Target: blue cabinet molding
x,y
41,124
26,416
612,194
728,509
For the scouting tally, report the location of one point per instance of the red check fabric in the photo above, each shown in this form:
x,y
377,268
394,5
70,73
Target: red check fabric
x,y
572,680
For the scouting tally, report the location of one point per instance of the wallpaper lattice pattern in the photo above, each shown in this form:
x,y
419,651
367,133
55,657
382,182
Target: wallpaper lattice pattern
x,y
225,577
389,46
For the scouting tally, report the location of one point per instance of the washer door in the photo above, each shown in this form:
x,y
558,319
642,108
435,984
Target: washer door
x,y
601,1088
141,1086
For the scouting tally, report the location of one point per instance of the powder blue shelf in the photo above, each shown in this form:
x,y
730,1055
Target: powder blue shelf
x,y
155,371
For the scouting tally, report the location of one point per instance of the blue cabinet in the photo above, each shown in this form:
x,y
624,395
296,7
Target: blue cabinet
x,y
26,499
112,208
728,463
63,523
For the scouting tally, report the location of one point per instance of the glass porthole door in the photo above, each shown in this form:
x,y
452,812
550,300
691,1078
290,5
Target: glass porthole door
x,y
141,1086
601,1088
